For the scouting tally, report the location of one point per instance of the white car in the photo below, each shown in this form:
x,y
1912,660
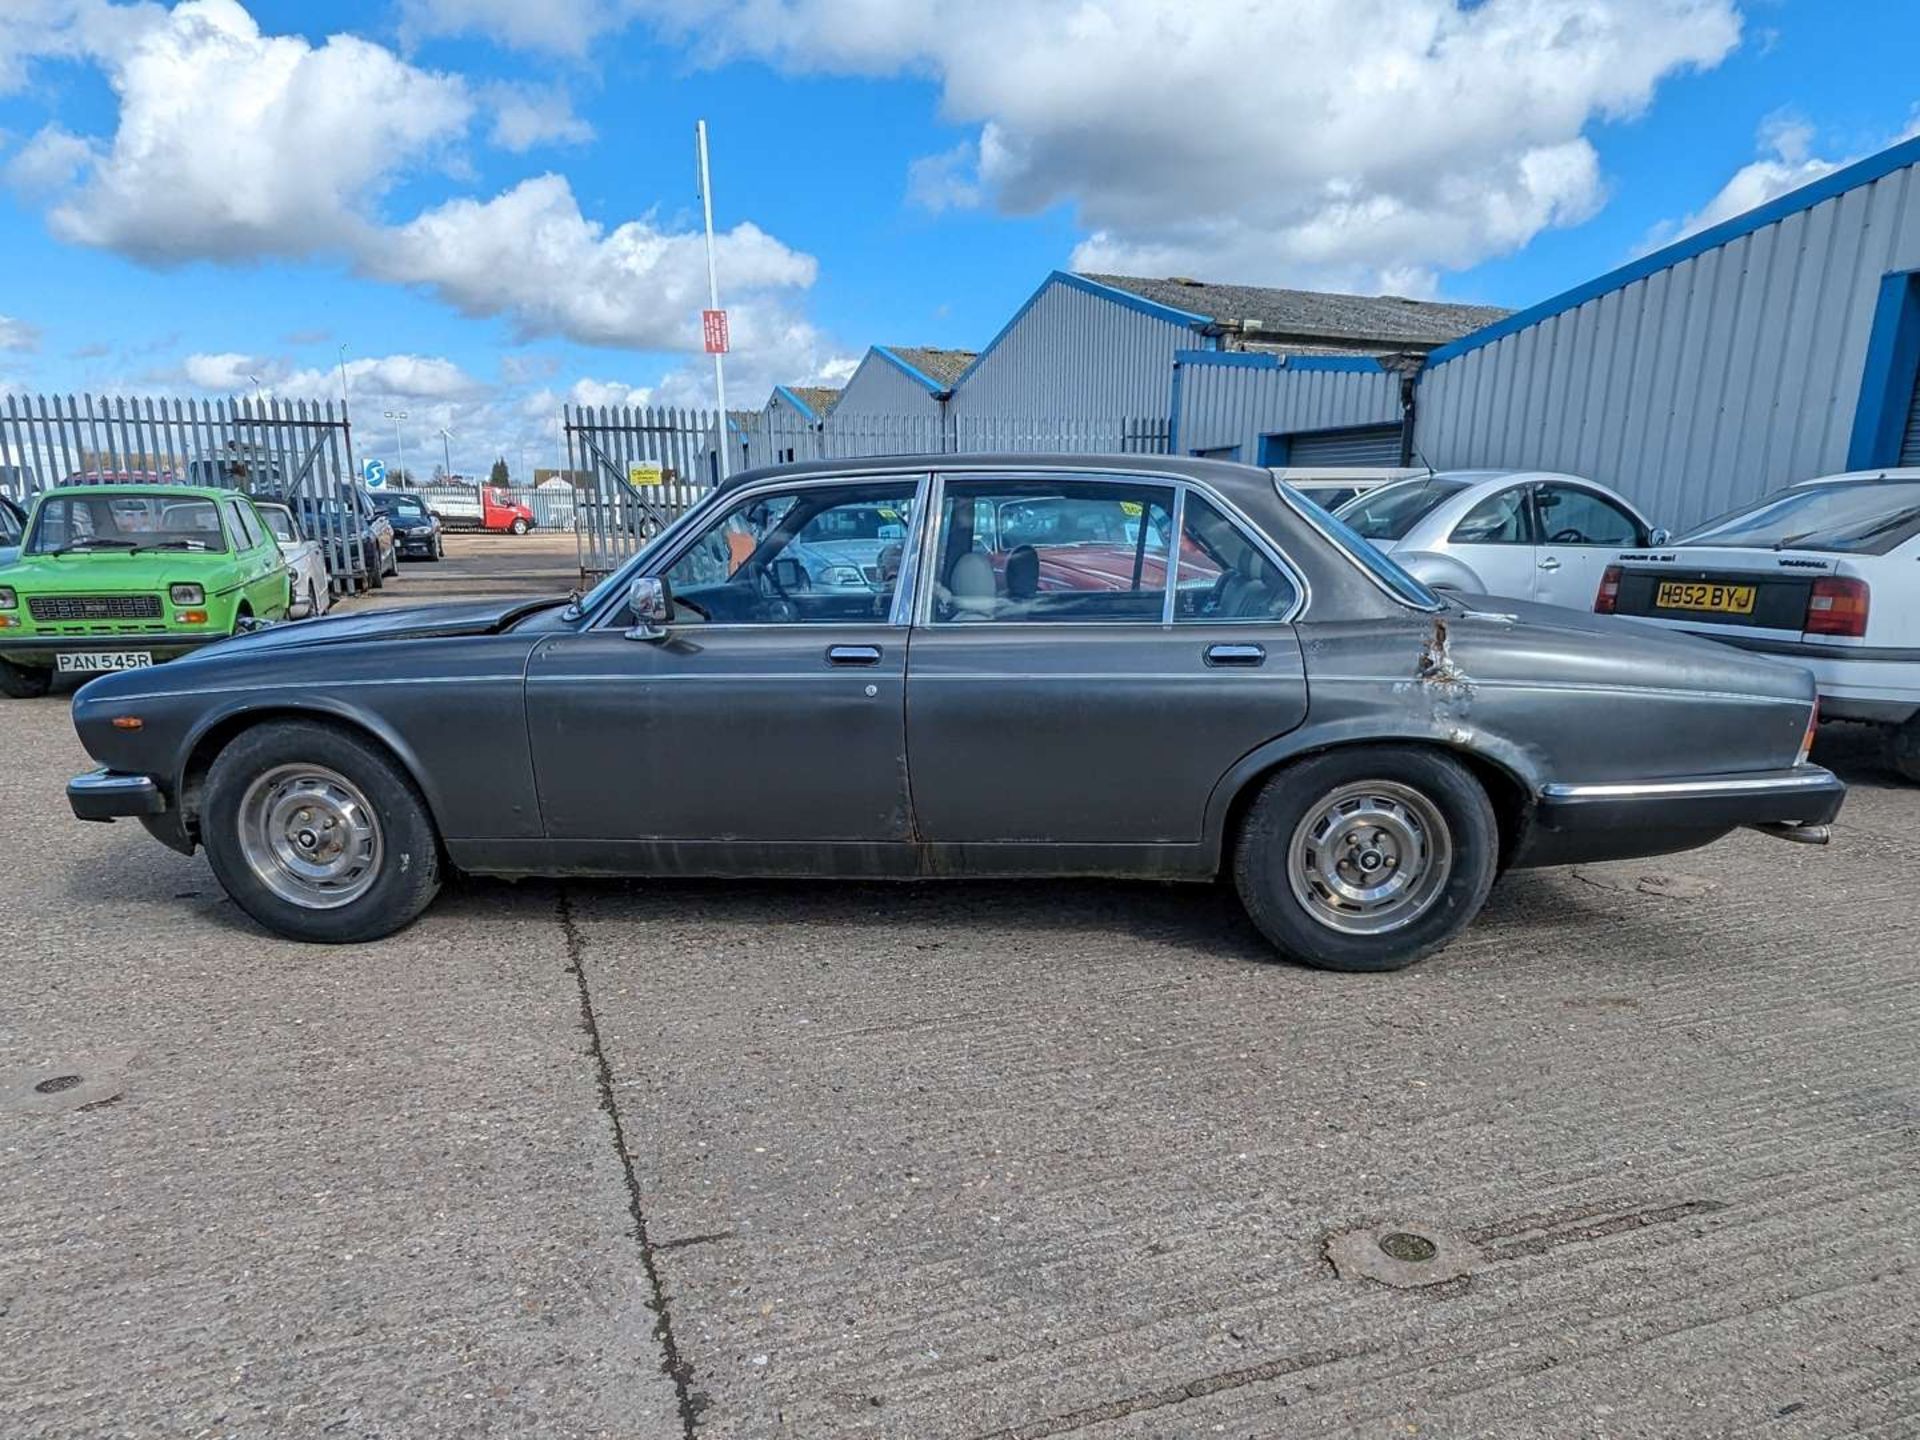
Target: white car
x,y
1526,534
306,564
1825,573
1331,486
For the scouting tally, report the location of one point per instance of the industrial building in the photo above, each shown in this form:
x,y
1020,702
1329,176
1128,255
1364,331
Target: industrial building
x,y
903,380
1781,344
1102,347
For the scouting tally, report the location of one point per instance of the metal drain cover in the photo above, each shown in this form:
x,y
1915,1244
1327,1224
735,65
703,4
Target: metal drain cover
x,y
64,1086
1405,1256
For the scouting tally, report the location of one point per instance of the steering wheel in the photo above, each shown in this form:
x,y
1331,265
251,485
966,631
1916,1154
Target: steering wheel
x,y
1567,537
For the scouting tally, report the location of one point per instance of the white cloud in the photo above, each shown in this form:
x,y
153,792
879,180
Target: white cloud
x,y
1368,139
49,162
525,117
18,335
227,372
234,144
531,255
1786,163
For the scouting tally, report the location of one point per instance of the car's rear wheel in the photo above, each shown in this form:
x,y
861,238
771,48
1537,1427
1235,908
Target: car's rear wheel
x,y
24,682
376,576
1903,748
1367,858
319,835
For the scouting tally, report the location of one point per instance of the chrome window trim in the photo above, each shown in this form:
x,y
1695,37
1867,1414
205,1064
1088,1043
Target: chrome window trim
x,y
649,562
1304,508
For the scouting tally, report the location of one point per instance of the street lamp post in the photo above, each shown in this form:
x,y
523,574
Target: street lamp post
x,y
399,438
346,420
446,453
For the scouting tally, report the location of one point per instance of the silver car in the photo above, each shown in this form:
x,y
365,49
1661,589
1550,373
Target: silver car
x,y
1527,534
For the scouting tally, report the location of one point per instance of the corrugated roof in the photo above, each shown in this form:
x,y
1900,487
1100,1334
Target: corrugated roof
x,y
934,362
1269,314
817,398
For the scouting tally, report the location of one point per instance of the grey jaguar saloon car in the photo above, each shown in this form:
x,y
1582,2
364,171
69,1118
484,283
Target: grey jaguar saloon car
x,y
1203,675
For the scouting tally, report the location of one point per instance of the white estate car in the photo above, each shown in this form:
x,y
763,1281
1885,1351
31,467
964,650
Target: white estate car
x,y
1528,534
306,564
1825,573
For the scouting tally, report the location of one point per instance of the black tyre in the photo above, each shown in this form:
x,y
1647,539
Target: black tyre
x,y
24,682
519,526
1367,859
376,577
1903,748
319,835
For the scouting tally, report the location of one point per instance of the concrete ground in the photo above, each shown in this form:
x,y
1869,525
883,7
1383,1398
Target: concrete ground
x,y
974,1161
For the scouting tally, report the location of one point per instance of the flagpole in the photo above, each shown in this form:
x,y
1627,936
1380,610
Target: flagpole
x,y
713,299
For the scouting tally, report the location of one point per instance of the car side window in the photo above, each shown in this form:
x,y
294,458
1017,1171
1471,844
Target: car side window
x,y
1223,574
244,537
816,555
1572,516
1052,552
1502,519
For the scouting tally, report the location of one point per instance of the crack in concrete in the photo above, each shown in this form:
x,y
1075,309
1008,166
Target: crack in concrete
x,y
671,1361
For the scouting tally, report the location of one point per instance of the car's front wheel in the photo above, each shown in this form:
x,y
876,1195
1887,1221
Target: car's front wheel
x,y
1367,858
24,682
519,526
319,835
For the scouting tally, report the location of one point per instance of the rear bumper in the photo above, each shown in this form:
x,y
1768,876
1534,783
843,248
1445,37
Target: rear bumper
x,y
115,795
1619,820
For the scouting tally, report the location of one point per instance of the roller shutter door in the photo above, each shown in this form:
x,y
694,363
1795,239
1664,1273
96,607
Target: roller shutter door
x,y
1362,445
1910,441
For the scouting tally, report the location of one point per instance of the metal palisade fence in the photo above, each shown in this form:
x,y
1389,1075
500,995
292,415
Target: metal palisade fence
x,y
639,468
292,452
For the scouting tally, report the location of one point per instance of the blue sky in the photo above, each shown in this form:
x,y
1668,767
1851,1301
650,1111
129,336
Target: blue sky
x,y
203,193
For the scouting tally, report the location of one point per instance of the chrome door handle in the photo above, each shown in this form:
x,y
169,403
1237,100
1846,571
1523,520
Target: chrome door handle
x,y
853,654
1245,656
1549,563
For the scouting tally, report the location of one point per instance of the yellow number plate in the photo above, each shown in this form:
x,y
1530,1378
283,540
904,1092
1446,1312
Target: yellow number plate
x,y
1727,599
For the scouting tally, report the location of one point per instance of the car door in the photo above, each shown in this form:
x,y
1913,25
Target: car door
x,y
1581,530
766,730
1496,539
261,574
1065,692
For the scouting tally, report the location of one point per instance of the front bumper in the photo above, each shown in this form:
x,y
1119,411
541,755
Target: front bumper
x,y
115,795
414,542
1620,820
162,644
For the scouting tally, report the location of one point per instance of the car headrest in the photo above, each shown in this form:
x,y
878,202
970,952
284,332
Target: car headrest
x,y
972,584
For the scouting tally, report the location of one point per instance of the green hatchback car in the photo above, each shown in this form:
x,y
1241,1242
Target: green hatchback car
x,y
114,577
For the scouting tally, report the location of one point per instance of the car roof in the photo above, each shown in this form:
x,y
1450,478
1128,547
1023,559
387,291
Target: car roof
x,y
159,488
1892,472
1236,482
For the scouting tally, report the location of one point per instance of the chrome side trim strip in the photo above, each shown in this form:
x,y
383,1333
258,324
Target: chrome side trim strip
x,y
1810,777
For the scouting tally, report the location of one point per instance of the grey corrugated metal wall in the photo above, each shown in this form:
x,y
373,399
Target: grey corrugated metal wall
x,y
879,387
1075,356
1701,385
1230,401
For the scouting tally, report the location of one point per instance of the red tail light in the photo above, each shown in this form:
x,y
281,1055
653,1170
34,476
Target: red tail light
x,y
1837,606
1609,596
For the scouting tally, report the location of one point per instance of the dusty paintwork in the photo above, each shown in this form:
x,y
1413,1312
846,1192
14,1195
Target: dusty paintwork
x,y
1028,748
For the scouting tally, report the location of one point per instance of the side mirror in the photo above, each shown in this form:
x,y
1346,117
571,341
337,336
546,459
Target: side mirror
x,y
1661,537
651,601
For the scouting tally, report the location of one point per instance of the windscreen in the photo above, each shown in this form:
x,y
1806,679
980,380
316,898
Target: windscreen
x,y
1391,511
1863,517
66,524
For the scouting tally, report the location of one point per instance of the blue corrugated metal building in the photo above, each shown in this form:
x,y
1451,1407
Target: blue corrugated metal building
x,y
1102,347
1781,344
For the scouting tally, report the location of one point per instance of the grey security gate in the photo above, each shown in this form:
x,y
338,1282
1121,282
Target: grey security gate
x,y
293,452
636,470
